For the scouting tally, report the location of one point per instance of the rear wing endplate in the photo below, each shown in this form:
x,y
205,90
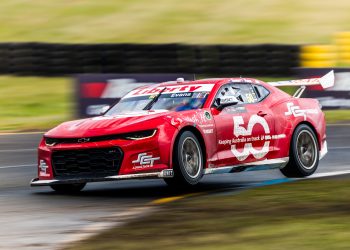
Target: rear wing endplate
x,y
326,81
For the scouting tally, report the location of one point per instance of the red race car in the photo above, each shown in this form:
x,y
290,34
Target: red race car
x,y
181,130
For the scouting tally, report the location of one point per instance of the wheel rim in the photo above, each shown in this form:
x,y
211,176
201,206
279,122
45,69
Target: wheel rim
x,y
306,147
191,157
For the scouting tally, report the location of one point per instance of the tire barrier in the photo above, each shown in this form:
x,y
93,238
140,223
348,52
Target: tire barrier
x,y
318,56
342,41
331,55
45,59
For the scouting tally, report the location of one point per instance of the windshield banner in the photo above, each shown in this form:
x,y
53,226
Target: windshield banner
x,y
96,92
170,90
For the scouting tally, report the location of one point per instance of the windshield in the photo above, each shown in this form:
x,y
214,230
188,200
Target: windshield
x,y
170,98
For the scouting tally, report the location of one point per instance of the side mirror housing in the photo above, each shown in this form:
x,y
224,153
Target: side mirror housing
x,y
95,110
104,109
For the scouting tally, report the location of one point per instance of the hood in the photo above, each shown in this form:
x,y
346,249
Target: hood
x,y
105,125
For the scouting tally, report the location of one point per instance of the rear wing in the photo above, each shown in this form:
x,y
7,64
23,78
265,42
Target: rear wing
x,y
325,82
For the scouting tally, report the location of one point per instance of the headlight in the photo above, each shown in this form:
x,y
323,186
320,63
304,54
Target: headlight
x,y
51,141
139,135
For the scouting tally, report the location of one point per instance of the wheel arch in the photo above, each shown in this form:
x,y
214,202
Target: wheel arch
x,y
199,136
294,168
309,124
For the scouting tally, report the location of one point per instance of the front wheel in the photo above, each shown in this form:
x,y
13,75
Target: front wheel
x,y
68,188
303,153
188,161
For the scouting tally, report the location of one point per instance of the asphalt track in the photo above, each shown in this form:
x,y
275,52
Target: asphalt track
x,y
37,218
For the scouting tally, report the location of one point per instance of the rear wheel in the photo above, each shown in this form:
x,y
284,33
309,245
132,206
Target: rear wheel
x,y
188,161
303,153
68,188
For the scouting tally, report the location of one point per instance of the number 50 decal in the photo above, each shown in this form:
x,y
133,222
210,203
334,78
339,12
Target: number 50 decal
x,y
239,130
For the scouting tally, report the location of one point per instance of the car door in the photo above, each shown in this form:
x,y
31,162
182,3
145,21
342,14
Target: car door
x,y
243,130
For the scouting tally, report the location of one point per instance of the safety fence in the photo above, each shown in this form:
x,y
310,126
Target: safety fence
x,y
45,59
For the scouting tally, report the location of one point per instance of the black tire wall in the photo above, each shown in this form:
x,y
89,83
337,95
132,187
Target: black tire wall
x,y
46,59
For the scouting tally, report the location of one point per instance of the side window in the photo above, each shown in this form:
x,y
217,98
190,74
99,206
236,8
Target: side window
x,y
228,91
244,92
261,92
248,93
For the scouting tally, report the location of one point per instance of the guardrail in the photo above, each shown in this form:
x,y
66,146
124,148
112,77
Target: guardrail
x,y
45,59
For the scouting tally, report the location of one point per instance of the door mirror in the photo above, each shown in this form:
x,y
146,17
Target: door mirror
x,y
95,110
225,102
104,109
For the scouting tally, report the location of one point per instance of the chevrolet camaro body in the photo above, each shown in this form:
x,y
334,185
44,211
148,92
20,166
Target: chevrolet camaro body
x,y
251,129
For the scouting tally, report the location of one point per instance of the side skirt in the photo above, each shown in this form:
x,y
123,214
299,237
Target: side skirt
x,y
251,166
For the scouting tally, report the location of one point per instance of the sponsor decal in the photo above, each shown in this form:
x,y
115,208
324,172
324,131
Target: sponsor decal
x,y
145,160
43,167
235,110
168,173
176,121
297,112
239,130
208,131
244,135
301,82
207,115
206,125
177,95
170,89
198,117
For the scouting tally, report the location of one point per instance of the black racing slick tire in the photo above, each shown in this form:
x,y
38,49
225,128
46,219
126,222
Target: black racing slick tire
x,y
68,188
188,161
303,153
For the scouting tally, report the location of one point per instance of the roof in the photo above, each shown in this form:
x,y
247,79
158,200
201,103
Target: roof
x,y
214,81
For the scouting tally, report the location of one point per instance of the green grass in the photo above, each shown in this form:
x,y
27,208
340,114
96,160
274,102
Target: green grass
x,y
169,21
306,215
34,103
334,116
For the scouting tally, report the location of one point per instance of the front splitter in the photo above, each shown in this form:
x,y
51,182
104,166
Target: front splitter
x,y
166,173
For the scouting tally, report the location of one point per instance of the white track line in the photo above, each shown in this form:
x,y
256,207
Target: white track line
x,y
328,174
23,133
18,166
338,125
18,150
337,136
335,148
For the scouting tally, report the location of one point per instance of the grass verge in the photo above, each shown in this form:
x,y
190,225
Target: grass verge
x,y
169,21
311,214
34,103
335,116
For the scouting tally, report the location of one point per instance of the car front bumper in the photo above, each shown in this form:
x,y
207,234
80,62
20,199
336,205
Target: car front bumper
x,y
166,173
